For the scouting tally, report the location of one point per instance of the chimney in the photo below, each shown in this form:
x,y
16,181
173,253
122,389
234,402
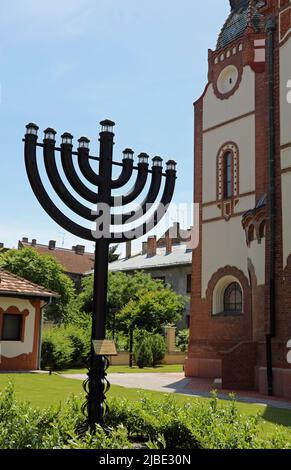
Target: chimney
x,y
33,242
168,243
52,245
128,250
176,230
144,248
79,249
25,240
152,247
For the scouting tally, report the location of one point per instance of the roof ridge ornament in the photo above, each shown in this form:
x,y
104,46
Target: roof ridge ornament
x,y
237,5
250,15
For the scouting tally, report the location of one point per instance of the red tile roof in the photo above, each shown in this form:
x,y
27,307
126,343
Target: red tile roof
x,y
15,285
72,262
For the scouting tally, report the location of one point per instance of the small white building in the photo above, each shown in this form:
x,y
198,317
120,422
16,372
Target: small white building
x,y
21,304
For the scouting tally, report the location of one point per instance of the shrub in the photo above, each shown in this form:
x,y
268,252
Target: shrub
x,y
80,340
199,425
65,346
150,349
183,340
162,423
143,353
158,348
57,349
22,427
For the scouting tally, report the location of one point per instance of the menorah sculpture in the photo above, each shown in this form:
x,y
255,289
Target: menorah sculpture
x,y
103,234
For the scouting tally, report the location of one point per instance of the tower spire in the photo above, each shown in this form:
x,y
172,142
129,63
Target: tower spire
x,y
236,5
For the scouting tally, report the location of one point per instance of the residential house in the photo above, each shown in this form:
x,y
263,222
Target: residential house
x,y
168,259
21,305
76,262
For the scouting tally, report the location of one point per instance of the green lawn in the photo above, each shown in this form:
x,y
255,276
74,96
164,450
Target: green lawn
x,y
128,370
44,391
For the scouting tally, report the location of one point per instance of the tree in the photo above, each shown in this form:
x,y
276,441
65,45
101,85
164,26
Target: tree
x,y
151,310
158,347
143,354
44,271
113,256
141,301
150,349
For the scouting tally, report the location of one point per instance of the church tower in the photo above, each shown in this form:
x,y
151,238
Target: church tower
x,y
241,292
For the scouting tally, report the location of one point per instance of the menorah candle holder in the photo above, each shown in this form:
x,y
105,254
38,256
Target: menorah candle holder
x,y
103,218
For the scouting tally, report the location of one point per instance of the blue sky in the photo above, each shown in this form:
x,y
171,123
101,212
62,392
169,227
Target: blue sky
x,y
71,63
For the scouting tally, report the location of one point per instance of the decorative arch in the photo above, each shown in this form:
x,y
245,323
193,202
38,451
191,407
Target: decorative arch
x,y
227,171
219,294
14,311
255,225
219,282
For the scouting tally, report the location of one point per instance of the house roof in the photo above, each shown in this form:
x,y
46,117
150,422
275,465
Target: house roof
x,y
180,256
72,262
10,284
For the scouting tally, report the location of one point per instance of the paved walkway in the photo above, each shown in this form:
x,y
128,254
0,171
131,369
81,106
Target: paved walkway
x,y
177,383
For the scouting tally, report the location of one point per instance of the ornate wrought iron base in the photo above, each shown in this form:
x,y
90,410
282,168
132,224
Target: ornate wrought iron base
x,y
96,386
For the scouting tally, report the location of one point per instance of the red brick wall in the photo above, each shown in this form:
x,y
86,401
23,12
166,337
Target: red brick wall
x,y
238,367
211,336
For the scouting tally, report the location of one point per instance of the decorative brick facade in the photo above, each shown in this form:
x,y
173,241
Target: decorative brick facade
x,y
235,232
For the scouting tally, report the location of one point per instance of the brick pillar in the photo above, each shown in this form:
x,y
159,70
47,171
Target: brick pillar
x,y
152,247
52,245
128,250
169,244
170,338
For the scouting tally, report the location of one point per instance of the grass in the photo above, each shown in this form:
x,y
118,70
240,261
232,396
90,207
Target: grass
x,y
43,391
128,370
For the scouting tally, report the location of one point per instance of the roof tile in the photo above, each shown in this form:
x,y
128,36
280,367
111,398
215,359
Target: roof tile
x,y
15,285
72,262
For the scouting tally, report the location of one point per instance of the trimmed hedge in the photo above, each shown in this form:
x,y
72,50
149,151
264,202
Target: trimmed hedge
x,y
64,347
162,424
22,427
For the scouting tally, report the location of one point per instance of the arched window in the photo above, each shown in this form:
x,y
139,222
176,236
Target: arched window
x,y
227,169
233,299
228,179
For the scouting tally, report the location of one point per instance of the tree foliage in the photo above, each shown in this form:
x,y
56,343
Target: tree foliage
x,y
140,301
44,271
183,340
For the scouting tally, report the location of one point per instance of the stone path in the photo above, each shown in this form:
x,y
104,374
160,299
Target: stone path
x,y
177,383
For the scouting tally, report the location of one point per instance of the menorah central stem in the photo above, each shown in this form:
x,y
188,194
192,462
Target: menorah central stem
x,y
98,385
97,367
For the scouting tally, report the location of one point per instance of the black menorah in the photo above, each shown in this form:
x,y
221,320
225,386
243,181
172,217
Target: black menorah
x,y
104,219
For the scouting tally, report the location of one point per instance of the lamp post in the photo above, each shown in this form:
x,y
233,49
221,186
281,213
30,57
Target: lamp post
x,y
104,220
